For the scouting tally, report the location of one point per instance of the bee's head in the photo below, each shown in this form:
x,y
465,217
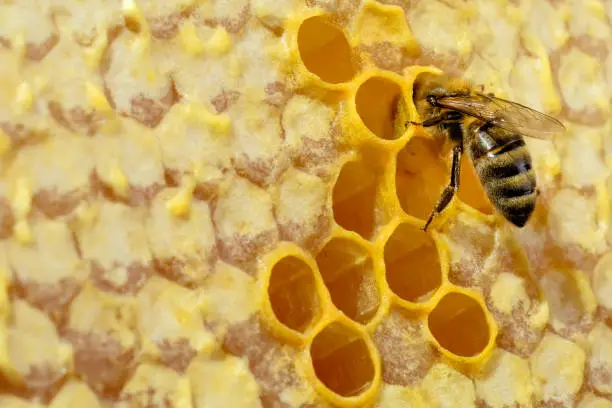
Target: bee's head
x,y
432,100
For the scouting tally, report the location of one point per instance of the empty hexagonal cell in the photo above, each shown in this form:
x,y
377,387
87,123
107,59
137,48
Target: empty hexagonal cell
x,y
471,191
378,100
459,324
342,360
348,272
412,264
293,294
420,176
354,198
325,50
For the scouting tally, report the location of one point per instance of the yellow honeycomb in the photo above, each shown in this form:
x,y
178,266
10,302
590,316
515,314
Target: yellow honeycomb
x,y
218,204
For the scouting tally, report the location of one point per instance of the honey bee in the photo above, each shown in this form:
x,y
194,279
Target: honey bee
x,y
491,130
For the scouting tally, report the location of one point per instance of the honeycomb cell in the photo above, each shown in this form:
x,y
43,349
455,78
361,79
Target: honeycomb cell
x,y
459,325
75,394
102,330
557,369
48,272
225,382
348,272
601,281
446,387
112,237
155,383
505,381
56,188
354,198
278,381
325,51
570,298
170,323
470,188
377,101
342,360
301,208
34,350
405,350
293,294
600,359
412,264
420,176
593,401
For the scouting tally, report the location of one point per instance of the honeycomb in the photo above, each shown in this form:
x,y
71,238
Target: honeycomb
x,y
217,204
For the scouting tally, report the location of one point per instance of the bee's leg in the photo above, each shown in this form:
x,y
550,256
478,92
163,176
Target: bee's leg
x,y
449,116
451,189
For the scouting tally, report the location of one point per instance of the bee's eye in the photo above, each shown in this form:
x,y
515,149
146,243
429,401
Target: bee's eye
x,y
431,99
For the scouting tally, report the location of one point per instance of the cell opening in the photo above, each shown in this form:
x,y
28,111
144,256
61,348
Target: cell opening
x,y
471,191
292,293
412,264
459,324
342,361
354,199
348,272
421,175
325,50
377,101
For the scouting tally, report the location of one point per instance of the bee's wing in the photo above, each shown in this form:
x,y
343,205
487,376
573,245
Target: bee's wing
x,y
505,114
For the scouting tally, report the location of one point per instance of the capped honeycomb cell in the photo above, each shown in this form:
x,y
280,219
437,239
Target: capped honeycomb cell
x,y
325,51
447,387
348,272
170,323
293,294
101,328
49,271
277,382
187,222
232,384
412,264
112,237
343,360
460,324
420,176
55,188
405,350
557,369
36,354
602,281
155,383
505,381
600,359
75,394
377,101
355,197
571,300
592,401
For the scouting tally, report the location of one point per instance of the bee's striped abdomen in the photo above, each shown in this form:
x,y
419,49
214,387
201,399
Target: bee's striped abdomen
x,y
504,166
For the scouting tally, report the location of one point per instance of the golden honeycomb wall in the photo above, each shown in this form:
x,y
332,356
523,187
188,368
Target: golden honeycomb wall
x,y
216,203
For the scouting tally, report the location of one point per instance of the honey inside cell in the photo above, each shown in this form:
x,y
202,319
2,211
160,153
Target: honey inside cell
x,y
348,272
459,324
342,360
292,293
325,51
377,104
420,176
412,264
354,199
471,191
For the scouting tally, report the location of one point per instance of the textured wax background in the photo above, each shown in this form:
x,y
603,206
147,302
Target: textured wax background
x,y
207,204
